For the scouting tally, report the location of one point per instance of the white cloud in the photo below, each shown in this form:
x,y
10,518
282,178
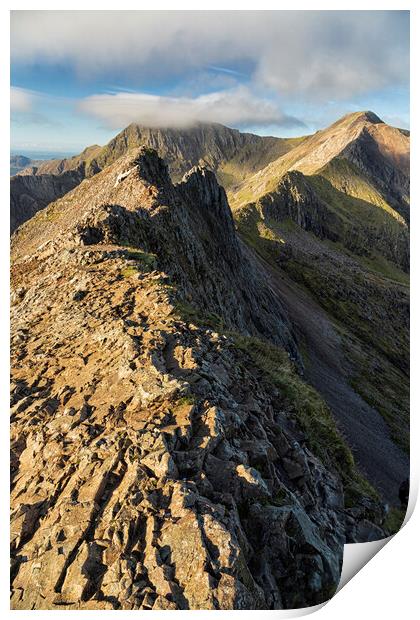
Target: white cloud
x,y
20,100
321,54
230,107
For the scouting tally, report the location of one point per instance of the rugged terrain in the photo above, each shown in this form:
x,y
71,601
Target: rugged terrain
x,y
359,155
29,193
166,451
208,403
232,155
335,237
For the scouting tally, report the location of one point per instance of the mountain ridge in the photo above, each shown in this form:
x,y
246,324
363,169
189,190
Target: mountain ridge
x,y
228,152
380,154
119,183
159,417
233,156
330,219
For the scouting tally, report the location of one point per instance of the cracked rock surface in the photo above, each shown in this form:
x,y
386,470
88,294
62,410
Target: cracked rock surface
x,y
153,466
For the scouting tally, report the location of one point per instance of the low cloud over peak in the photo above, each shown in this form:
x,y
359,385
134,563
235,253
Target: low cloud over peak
x,y
233,107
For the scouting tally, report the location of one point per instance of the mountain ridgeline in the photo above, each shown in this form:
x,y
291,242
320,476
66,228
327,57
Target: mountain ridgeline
x,y
232,155
209,366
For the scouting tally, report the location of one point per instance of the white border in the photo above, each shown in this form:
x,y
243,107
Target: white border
x,y
387,586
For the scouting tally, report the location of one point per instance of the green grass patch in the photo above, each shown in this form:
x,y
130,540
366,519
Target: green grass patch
x,y
346,177
259,235
357,299
144,259
355,211
380,265
189,313
394,520
51,214
383,386
129,272
188,399
311,413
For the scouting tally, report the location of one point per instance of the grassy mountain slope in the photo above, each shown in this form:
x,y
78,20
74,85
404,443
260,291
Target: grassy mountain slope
x,y
359,154
317,212
226,151
232,155
337,243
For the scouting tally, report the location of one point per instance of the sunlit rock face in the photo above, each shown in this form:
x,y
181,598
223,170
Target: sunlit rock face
x,y
158,460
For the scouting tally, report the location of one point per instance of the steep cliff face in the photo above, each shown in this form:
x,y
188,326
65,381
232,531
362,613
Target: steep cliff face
x,y
189,224
313,204
383,157
29,193
296,199
159,462
228,152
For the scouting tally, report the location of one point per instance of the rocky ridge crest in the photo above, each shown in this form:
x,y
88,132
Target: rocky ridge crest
x,y
227,152
154,465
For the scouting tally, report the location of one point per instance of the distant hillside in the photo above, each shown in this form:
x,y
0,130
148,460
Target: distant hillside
x,y
232,155
29,193
20,162
60,165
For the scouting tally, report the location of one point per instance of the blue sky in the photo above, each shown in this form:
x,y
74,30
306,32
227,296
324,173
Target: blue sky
x,y
79,77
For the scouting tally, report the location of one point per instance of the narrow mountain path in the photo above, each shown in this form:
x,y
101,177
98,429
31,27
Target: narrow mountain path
x,y
378,457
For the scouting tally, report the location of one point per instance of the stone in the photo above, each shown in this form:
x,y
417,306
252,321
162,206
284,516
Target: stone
x,y
153,466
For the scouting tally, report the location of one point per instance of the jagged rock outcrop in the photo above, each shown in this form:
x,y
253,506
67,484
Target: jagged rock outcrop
x,y
315,207
228,152
211,144
332,214
295,199
154,471
154,465
191,227
384,160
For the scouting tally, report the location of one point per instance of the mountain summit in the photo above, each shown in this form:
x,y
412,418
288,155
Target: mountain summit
x,y
361,138
330,219
376,156
207,403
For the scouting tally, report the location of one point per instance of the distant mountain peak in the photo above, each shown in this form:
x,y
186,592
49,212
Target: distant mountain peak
x,y
364,116
378,154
